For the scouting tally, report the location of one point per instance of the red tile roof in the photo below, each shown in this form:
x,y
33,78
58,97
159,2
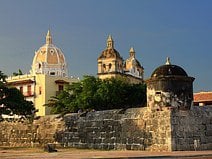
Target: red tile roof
x,y
203,97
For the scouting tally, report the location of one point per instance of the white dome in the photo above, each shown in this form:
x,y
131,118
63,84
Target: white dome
x,y
49,60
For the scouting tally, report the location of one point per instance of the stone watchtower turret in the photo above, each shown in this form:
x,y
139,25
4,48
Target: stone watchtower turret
x,y
169,86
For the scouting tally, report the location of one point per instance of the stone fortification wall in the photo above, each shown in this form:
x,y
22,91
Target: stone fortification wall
x,y
192,129
132,129
25,134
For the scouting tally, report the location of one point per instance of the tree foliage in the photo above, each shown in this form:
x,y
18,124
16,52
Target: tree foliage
x,y
18,73
12,100
93,93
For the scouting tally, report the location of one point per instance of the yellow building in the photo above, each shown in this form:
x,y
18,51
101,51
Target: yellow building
x,y
111,64
48,76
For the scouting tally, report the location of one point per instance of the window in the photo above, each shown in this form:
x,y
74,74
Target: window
x,y
104,67
133,69
40,90
110,65
60,88
52,73
21,89
29,90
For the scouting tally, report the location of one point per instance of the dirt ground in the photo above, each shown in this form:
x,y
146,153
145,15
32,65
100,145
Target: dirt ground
x,y
32,153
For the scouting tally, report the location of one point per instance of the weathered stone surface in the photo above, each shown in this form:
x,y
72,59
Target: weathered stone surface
x,y
191,129
26,134
131,129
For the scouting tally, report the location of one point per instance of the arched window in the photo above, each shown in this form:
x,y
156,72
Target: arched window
x,y
109,67
133,69
104,67
120,67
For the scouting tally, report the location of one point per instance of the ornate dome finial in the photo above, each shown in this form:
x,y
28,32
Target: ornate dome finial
x,y
132,49
48,38
132,52
110,42
168,61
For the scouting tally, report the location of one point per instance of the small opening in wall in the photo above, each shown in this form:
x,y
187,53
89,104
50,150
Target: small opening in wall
x,y
52,73
158,96
157,93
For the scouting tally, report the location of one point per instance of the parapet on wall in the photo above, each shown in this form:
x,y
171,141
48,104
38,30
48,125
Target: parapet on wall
x,y
131,129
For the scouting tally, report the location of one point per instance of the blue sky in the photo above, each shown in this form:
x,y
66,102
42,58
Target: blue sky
x,y
180,29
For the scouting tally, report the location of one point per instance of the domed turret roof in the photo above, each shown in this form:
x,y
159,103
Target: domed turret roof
x,y
49,53
110,51
132,58
169,70
49,57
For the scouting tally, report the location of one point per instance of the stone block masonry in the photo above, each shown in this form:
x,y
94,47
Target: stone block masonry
x,y
131,129
25,134
192,129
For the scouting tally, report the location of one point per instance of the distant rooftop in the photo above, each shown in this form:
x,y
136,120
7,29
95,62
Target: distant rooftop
x,y
203,98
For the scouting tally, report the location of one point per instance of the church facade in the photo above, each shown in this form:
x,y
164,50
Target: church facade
x,y
48,76
112,65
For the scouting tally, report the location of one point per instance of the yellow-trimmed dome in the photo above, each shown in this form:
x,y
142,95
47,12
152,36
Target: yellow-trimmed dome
x,y
49,59
110,51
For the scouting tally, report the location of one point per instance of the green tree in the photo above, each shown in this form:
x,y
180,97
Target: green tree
x,y
110,94
86,98
61,103
77,96
117,93
93,93
12,101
